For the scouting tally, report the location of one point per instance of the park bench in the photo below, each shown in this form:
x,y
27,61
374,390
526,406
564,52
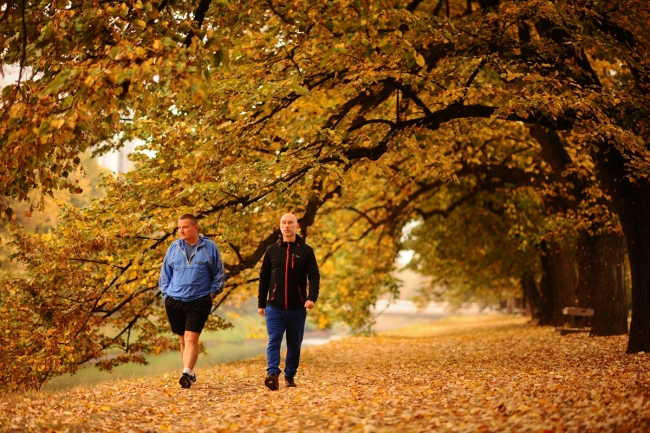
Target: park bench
x,y
580,316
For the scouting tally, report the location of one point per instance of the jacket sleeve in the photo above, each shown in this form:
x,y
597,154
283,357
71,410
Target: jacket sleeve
x,y
313,275
265,281
219,272
166,271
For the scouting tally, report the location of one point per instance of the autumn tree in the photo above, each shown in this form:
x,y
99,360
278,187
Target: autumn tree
x,y
507,204
44,219
248,109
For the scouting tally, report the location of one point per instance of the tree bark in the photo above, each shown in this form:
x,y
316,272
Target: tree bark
x,y
637,234
547,292
632,203
558,284
564,278
587,282
610,305
532,296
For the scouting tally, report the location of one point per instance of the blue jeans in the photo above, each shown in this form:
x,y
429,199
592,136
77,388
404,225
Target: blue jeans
x,y
277,323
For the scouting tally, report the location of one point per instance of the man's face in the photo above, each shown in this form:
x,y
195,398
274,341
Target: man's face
x,y
289,226
188,231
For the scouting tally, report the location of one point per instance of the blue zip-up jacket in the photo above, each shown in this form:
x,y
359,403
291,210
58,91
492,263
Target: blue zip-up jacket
x,y
189,278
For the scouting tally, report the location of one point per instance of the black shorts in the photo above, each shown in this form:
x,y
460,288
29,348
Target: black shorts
x,y
188,316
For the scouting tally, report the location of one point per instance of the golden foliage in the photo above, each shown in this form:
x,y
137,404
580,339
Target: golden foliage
x,y
351,114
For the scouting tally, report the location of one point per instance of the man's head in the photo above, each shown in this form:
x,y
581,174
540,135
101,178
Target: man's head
x,y
188,228
289,226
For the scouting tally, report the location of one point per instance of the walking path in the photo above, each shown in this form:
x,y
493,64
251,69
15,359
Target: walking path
x,y
468,374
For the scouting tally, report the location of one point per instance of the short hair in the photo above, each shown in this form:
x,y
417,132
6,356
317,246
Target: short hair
x,y
189,216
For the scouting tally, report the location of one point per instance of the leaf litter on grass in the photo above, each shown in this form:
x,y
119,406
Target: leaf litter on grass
x,y
469,374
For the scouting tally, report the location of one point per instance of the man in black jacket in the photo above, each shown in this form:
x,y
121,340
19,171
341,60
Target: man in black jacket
x,y
283,298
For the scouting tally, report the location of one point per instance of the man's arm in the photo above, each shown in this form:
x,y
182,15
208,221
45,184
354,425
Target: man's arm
x,y
313,275
219,273
166,272
265,280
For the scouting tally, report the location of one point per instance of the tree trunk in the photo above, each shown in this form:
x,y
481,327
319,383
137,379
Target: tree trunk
x,y
532,296
637,234
587,281
610,305
558,283
632,203
547,290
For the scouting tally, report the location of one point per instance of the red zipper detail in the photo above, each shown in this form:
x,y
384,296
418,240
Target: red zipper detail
x,y
286,279
293,257
300,293
275,286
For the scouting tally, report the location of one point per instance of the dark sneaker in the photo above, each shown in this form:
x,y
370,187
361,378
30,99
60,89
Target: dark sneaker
x,y
288,381
186,380
272,382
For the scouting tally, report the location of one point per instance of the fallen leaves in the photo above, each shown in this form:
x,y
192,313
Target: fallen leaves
x,y
485,374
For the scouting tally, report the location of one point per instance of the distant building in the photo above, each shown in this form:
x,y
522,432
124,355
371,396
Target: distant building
x,y
117,161
9,75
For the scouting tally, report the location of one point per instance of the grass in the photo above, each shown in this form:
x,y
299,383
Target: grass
x,y
223,346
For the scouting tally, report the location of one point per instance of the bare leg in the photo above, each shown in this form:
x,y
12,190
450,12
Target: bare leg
x,y
190,348
182,339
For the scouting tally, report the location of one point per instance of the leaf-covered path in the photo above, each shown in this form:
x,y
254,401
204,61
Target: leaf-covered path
x,y
481,374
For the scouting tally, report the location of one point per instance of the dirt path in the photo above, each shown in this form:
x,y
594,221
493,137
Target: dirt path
x,y
474,374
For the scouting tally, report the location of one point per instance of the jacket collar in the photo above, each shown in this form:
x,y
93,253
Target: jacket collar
x,y
297,242
198,244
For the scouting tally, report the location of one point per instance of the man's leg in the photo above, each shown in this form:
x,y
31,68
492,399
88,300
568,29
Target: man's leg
x,y
295,332
275,328
176,316
197,313
182,339
190,348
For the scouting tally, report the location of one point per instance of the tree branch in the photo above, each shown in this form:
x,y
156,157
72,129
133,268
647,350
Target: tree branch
x,y
236,250
413,5
10,4
411,94
23,55
199,16
274,10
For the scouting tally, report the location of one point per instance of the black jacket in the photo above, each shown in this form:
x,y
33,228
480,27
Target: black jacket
x,y
283,277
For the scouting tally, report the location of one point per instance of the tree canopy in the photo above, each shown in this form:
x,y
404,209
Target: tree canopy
x,y
359,116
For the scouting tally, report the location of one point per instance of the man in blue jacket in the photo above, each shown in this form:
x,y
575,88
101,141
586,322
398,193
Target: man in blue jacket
x,y
192,274
283,298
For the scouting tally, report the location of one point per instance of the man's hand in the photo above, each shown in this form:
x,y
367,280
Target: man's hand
x,y
309,304
261,312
